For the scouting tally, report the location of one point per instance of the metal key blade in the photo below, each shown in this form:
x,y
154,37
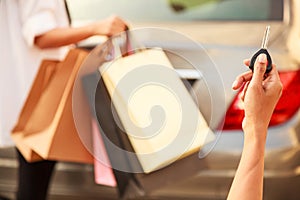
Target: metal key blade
x,y
266,38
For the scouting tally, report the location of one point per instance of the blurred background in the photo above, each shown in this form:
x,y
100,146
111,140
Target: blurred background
x,y
229,31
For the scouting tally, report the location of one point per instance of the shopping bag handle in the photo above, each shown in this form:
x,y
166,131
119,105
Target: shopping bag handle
x,y
127,40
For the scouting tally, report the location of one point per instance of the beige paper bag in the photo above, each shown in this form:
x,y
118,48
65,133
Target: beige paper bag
x,y
162,121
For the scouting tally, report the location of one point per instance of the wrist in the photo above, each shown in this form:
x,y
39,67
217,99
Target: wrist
x,y
254,125
255,128
255,133
91,30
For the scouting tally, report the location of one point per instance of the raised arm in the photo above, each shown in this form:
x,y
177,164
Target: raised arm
x,y
65,36
260,95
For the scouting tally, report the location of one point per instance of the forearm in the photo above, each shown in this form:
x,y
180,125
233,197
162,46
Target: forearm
x,y
248,181
260,95
63,36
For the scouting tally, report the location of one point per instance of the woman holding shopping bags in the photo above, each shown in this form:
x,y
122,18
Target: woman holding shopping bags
x,y
33,30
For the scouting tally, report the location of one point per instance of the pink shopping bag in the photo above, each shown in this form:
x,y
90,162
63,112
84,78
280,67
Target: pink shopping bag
x,y
102,168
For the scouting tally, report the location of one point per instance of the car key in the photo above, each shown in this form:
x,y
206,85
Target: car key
x,y
263,50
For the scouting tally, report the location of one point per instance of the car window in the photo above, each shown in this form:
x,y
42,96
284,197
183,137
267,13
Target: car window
x,y
177,10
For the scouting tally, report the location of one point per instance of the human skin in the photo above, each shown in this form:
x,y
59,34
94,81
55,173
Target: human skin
x,y
260,96
65,36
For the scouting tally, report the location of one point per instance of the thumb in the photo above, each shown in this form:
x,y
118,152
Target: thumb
x,y
259,69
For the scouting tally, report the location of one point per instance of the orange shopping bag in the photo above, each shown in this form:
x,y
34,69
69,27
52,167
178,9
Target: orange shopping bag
x,y
46,129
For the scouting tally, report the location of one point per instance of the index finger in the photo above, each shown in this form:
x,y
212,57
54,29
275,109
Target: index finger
x,y
241,79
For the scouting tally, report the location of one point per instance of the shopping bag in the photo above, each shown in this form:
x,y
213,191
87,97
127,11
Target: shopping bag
x,y
102,169
126,166
46,129
128,187
182,169
184,128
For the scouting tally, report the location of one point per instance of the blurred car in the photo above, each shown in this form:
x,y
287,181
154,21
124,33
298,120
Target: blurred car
x,y
229,31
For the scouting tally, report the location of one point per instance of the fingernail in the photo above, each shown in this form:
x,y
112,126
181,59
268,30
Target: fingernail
x,y
262,58
234,84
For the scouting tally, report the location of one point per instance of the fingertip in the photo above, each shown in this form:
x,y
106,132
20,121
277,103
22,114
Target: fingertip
x,y
237,84
234,87
262,58
260,64
247,62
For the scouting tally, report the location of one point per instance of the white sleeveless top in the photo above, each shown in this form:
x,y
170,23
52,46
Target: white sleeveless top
x,y
20,22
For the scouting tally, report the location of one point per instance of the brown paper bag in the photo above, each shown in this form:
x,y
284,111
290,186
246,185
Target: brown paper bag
x,y
46,129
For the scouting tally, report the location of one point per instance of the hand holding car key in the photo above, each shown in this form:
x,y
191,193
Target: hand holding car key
x,y
260,94
263,50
